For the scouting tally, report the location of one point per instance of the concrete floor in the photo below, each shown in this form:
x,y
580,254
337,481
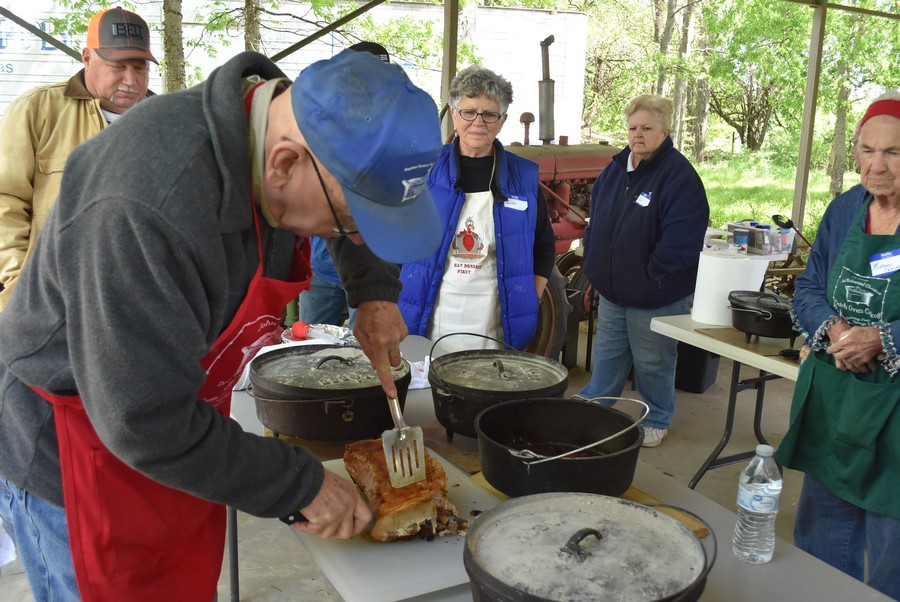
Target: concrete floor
x,y
697,428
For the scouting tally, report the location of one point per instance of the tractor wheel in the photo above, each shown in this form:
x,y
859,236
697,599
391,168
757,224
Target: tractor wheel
x,y
551,334
569,264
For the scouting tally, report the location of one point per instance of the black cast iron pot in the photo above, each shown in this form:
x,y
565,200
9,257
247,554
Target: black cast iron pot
x,y
464,383
550,427
580,547
323,392
761,314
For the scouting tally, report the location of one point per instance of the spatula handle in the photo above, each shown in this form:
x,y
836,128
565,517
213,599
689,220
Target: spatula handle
x,y
396,413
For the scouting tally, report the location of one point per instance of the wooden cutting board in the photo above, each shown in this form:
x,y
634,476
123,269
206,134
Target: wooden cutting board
x,y
633,494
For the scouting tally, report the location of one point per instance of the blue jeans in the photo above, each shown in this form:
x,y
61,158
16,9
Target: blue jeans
x,y
624,338
324,303
841,534
42,542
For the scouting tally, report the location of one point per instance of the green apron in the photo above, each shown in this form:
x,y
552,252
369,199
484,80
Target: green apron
x,y
845,427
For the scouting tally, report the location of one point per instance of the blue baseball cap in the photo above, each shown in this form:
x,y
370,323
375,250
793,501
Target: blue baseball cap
x,y
379,136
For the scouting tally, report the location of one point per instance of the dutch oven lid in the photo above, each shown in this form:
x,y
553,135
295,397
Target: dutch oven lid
x,y
642,554
755,300
319,367
497,370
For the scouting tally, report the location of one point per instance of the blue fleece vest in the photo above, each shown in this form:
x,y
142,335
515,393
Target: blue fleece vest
x,y
514,233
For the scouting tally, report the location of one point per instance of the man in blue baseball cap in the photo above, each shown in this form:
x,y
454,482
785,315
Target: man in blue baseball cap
x,y
157,276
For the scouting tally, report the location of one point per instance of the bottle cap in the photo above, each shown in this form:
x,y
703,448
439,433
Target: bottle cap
x,y
300,330
764,450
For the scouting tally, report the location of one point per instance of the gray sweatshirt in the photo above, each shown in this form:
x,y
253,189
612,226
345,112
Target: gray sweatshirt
x,y
143,261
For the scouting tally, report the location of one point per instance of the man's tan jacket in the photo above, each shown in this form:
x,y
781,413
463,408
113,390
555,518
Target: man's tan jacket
x,y
38,132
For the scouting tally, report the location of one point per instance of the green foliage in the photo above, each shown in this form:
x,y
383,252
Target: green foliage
x,y
78,15
782,144
867,47
618,67
409,40
758,64
752,186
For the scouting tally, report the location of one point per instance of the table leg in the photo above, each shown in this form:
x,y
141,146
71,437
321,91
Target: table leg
x,y
233,555
737,385
757,413
589,346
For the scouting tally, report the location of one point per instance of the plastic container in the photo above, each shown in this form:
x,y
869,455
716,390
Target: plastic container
x,y
741,239
759,494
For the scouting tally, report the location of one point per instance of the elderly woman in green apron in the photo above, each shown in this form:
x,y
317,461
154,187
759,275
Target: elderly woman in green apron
x,y
845,418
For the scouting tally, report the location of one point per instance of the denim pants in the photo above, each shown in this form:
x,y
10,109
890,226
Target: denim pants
x,y
324,303
624,338
841,534
42,542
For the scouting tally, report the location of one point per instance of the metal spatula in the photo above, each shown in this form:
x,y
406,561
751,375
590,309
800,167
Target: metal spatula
x,y
404,449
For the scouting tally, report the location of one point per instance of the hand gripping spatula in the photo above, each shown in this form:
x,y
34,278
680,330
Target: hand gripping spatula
x,y
404,449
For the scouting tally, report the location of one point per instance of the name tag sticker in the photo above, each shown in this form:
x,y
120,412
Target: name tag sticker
x,y
644,199
884,264
515,203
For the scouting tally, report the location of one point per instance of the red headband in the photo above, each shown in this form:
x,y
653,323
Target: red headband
x,y
887,106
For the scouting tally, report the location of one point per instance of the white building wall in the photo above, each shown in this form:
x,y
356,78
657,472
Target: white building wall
x,y
506,40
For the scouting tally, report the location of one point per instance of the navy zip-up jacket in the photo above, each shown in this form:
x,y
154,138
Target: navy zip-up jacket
x,y
643,242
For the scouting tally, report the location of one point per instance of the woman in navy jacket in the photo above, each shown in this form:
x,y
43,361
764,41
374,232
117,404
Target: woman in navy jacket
x,y
649,214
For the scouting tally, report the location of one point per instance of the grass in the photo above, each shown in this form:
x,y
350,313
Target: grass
x,y
752,187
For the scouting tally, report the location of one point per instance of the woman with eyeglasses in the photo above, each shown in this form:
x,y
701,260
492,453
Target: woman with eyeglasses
x,y
498,248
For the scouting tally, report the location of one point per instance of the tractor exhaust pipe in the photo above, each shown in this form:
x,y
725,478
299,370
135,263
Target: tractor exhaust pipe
x,y
546,95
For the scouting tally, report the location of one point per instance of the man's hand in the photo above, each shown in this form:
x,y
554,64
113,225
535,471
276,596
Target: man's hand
x,y
379,328
854,347
337,511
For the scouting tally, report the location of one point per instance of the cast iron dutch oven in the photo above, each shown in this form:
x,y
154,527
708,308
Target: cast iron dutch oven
x,y
323,392
762,314
549,427
464,383
581,547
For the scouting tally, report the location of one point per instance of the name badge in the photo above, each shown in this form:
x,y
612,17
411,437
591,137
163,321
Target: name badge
x,y
516,203
884,264
644,199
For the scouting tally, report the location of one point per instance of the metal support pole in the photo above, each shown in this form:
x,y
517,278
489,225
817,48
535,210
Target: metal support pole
x,y
41,34
813,70
327,29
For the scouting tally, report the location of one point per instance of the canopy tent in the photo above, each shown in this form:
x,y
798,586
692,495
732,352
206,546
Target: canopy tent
x,y
451,20
813,71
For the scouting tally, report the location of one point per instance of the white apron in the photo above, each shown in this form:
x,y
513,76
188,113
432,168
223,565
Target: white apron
x,y
469,299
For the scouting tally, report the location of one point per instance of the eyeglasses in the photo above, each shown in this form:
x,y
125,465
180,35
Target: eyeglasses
x,y
340,229
472,115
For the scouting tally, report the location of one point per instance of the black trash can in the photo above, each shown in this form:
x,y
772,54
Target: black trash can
x,y
696,369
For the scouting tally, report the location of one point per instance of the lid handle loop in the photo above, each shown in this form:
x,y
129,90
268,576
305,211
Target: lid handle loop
x,y
573,546
343,360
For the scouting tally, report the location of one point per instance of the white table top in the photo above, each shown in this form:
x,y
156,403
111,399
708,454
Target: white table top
x,y
791,574
760,353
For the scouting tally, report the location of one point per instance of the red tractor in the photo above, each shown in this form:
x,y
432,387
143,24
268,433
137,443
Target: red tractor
x,y
567,174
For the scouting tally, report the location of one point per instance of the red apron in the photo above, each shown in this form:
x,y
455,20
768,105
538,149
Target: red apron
x,y
132,538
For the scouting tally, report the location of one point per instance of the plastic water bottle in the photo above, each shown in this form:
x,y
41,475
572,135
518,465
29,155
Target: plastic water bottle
x,y
759,493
